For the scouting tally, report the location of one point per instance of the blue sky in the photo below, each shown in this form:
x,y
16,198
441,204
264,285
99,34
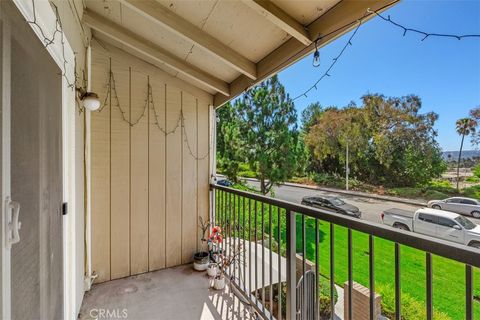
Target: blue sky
x,y
445,73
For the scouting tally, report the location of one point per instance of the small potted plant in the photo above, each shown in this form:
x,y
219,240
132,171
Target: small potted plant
x,y
201,258
214,240
225,263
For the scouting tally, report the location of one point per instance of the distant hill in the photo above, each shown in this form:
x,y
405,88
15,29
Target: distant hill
x,y
466,154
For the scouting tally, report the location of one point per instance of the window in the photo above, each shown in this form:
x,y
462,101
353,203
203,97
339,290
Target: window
x,y
427,218
467,201
464,222
453,200
446,222
337,202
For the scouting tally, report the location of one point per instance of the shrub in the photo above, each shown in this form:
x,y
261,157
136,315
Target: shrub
x,y
472,192
441,185
473,179
411,309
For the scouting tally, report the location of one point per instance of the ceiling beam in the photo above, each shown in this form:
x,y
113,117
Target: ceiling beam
x,y
164,16
281,19
335,22
145,48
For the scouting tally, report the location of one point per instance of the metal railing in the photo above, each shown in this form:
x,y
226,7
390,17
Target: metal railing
x,y
248,219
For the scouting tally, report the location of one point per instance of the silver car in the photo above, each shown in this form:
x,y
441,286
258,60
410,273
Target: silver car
x,y
460,205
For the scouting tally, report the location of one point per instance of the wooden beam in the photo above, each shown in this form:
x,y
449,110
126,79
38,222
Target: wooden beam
x,y
161,15
145,48
332,24
281,19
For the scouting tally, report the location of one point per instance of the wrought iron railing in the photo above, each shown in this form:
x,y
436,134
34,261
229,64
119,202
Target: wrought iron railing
x,y
268,279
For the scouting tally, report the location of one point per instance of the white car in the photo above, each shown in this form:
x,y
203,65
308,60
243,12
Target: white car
x,y
460,205
436,223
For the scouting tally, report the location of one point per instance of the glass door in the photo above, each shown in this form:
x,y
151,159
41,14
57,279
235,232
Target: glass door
x,y
32,191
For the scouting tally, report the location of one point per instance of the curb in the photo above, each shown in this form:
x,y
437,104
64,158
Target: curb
x,y
350,193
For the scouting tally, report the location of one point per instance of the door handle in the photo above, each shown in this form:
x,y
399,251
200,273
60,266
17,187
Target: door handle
x,y
13,224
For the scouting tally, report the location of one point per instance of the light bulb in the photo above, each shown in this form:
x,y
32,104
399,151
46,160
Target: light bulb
x,y
316,58
91,101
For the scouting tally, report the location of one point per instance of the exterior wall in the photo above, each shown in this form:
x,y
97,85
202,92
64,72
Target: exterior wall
x,y
147,186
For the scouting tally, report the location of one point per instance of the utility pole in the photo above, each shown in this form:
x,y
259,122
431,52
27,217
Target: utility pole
x,y
347,170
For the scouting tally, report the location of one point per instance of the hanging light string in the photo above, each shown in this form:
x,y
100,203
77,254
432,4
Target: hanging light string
x,y
47,41
334,61
424,33
180,123
349,43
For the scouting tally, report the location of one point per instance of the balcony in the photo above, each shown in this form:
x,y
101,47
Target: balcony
x,y
264,228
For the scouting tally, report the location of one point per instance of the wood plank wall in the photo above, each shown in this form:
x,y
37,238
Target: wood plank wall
x,y
147,190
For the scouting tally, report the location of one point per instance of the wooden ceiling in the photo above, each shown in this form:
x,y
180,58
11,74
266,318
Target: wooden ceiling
x,y
223,46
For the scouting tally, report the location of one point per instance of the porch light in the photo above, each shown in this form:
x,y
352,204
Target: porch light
x,y
89,99
316,56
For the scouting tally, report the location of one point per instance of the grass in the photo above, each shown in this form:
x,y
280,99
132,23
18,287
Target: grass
x,y
448,275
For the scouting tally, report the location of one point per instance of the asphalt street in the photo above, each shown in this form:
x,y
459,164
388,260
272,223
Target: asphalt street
x,y
370,208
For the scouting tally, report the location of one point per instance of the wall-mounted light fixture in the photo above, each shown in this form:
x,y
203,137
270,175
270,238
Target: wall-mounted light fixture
x,y
89,99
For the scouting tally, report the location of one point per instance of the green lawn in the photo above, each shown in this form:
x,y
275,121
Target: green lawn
x,y
448,275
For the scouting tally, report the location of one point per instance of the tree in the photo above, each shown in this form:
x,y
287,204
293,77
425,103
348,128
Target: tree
x,y
267,126
464,127
310,115
390,141
229,155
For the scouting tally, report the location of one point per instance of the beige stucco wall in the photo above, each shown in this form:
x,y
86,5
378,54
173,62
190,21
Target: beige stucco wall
x,y
148,185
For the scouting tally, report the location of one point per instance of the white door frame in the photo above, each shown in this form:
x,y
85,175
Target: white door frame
x,y
46,19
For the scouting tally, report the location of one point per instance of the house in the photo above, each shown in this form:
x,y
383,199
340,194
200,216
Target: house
x,y
94,196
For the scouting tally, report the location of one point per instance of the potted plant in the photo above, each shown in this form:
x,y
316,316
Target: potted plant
x,y
201,258
214,240
225,263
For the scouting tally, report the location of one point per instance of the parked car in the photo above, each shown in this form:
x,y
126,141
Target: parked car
x,y
436,223
460,205
332,204
225,183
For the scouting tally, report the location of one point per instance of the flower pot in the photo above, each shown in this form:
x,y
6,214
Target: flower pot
x,y
200,261
212,270
219,282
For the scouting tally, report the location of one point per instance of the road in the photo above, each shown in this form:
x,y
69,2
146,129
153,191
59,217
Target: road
x,y
370,208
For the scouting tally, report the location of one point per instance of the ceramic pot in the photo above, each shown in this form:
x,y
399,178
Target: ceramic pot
x,y
219,282
212,270
200,261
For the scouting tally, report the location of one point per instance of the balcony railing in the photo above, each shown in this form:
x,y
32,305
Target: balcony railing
x,y
252,222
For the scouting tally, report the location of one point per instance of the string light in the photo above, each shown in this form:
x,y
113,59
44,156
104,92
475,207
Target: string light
x,y
316,55
180,123
49,41
424,33
334,61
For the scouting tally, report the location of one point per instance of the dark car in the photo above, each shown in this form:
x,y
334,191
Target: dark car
x,y
332,204
225,183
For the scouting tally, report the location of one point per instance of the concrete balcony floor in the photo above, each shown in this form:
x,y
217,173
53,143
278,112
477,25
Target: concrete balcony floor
x,y
178,293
